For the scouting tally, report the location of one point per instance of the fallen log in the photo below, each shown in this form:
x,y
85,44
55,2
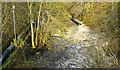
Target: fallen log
x,y
4,46
77,22
6,53
10,49
9,53
8,43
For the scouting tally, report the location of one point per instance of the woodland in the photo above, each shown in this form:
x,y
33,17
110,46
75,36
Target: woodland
x,y
60,35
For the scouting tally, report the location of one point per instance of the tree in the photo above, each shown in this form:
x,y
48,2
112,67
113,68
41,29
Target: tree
x,y
32,32
38,17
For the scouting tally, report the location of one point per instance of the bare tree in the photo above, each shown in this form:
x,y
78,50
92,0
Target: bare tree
x,y
36,41
32,32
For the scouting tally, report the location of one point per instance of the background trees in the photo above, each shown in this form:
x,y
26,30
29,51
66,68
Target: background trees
x,y
48,17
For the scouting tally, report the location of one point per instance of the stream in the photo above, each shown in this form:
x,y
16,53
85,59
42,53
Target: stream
x,y
80,48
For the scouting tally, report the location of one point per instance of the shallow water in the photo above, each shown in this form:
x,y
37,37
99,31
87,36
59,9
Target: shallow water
x,y
80,48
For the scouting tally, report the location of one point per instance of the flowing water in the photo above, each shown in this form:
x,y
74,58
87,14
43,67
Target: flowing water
x,y
80,48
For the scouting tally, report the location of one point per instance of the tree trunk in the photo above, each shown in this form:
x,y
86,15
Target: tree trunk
x,y
36,41
32,32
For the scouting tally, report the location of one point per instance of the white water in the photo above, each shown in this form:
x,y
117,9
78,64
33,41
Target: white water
x,y
81,49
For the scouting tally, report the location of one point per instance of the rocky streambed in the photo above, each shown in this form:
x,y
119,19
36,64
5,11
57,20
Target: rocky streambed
x,y
80,48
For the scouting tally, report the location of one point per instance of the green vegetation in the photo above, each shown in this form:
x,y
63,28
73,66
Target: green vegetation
x,y
53,18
